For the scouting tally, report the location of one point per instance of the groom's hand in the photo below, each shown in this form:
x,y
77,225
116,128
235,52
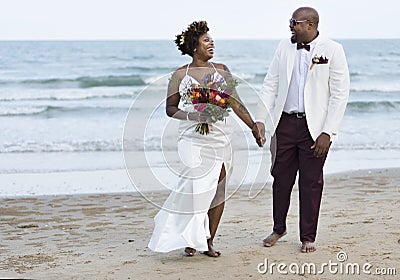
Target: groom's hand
x,y
258,131
321,145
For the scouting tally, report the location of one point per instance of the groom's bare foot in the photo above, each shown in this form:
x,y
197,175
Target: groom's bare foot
x,y
271,239
211,251
190,251
308,247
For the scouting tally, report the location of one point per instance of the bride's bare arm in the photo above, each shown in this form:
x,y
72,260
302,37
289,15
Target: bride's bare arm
x,y
237,105
173,98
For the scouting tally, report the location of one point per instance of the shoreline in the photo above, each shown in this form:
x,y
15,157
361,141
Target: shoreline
x,y
104,236
132,190
116,180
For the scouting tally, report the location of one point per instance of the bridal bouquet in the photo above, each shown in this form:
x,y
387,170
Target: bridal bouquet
x,y
212,97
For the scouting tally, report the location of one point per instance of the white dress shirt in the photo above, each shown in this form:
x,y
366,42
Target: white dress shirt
x,y
295,98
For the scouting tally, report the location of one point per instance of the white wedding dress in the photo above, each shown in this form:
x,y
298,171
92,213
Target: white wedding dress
x,y
183,220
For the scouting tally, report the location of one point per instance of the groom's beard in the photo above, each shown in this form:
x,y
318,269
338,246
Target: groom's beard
x,y
293,39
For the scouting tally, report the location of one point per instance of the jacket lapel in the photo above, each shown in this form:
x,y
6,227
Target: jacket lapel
x,y
318,50
291,55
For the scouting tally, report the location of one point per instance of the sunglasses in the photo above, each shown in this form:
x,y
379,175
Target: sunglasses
x,y
294,22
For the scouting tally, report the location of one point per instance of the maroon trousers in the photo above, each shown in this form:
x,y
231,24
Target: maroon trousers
x,y
292,153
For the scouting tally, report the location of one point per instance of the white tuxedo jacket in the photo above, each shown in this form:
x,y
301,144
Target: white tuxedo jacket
x,y
325,93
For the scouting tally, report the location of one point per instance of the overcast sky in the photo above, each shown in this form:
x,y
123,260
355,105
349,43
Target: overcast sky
x,y
162,19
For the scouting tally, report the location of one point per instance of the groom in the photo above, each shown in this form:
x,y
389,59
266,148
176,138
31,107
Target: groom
x,y
304,94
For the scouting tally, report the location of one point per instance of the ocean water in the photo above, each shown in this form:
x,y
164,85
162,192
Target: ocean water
x,y
63,104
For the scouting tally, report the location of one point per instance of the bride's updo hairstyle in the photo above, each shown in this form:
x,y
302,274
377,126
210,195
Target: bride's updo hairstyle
x,y
188,39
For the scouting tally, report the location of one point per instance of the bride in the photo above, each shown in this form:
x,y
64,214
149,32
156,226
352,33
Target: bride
x,y
190,216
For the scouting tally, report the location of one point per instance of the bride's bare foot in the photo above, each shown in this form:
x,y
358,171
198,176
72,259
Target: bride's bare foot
x,y
271,239
308,247
211,251
190,251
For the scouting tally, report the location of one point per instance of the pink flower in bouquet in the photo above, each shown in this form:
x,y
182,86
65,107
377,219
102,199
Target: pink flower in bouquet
x,y
200,107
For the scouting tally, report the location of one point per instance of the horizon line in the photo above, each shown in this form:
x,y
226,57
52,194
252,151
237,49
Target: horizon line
x,y
163,39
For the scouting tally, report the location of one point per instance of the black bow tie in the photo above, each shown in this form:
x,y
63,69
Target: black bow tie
x,y
303,46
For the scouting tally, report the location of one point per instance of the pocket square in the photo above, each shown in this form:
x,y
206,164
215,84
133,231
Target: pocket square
x,y
319,60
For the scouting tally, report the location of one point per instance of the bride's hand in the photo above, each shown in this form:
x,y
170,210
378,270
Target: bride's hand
x,y
258,131
201,117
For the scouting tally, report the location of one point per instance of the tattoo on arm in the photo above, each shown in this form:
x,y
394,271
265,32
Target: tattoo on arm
x,y
243,109
173,82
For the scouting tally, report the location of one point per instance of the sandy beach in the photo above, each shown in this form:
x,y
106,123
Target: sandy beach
x,y
104,236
